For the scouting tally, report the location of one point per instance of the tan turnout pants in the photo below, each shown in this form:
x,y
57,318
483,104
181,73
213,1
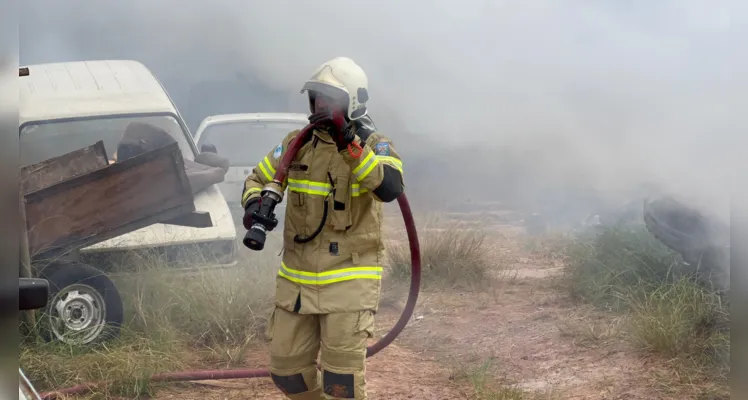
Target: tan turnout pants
x,y
340,339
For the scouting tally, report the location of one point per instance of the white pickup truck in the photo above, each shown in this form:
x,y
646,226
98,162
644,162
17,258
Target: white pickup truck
x,y
245,139
68,106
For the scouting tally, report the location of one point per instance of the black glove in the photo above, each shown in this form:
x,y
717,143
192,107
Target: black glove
x,y
342,135
252,206
323,119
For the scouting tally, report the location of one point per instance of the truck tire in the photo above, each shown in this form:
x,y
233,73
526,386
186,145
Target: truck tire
x,y
84,305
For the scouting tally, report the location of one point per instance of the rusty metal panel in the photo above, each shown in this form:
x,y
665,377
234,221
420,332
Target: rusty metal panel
x,y
108,202
55,170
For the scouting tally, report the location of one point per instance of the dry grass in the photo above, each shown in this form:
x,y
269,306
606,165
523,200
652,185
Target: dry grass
x,y
123,365
627,271
187,320
551,245
173,320
682,320
452,255
484,387
588,328
602,264
212,307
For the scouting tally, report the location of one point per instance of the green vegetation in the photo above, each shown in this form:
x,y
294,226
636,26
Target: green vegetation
x,y
626,270
201,318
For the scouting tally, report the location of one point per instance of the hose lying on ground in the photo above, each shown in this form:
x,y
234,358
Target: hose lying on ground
x,y
415,283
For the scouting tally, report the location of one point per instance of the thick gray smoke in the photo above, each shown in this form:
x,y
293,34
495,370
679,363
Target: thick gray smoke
x,y
533,101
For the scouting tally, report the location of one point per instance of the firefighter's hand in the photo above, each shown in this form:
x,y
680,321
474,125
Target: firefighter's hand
x,y
340,132
323,119
252,206
344,138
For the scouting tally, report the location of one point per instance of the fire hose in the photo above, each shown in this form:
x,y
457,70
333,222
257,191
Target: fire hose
x,y
255,240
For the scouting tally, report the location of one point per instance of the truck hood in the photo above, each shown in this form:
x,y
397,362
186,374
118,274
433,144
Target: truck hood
x,y
209,200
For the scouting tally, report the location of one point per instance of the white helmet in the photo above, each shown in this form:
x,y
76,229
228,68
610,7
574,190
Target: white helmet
x,y
341,78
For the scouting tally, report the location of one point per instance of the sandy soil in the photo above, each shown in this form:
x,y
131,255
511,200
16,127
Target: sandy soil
x,y
523,330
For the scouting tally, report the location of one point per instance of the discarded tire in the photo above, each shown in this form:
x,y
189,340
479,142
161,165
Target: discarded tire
x,y
702,242
84,305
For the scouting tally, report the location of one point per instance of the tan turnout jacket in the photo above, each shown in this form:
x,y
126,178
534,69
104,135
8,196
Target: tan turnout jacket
x,y
341,269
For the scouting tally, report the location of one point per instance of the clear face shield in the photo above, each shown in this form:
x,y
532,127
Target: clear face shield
x,y
325,83
321,101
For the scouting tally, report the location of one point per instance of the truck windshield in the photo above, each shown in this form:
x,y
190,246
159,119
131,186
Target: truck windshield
x,y
245,143
43,140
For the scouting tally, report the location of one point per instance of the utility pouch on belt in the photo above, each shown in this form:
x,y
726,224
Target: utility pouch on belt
x,y
341,207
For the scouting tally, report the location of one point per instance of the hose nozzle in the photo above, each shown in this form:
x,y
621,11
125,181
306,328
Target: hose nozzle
x,y
263,220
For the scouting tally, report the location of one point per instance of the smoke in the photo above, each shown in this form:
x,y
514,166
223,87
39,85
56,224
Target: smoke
x,y
544,96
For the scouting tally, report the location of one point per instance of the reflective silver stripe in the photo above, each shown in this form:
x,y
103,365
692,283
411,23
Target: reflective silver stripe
x,y
269,165
265,166
320,188
392,161
366,166
248,193
311,187
324,278
357,190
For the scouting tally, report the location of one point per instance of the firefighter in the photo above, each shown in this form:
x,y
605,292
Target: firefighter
x,y
328,284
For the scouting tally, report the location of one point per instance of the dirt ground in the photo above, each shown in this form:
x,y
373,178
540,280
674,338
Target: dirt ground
x,y
522,333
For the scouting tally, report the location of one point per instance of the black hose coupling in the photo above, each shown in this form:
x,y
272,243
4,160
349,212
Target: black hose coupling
x,y
264,220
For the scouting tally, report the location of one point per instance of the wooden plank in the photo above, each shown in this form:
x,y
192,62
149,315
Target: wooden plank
x,y
108,202
49,254
59,169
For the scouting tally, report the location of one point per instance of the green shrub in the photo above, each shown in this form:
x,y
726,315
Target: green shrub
x,y
671,313
605,262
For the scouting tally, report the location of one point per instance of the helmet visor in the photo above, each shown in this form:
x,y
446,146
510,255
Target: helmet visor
x,y
326,89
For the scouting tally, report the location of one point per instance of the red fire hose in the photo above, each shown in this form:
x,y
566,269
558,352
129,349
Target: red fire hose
x,y
221,374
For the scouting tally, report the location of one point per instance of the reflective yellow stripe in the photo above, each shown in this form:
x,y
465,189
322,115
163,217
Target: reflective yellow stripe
x,y
368,170
269,166
320,188
248,192
357,190
392,161
309,187
265,172
367,165
327,277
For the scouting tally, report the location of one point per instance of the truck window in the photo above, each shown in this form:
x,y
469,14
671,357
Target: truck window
x,y
245,143
43,140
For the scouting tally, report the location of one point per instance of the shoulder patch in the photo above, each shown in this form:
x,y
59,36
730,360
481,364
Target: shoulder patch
x,y
382,149
278,151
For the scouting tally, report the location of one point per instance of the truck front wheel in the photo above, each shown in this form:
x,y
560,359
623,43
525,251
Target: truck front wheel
x,y
84,307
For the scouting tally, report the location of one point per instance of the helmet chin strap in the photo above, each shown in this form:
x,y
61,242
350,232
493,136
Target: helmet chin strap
x,y
367,123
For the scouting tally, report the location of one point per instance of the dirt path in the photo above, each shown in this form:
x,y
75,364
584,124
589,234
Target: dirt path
x,y
520,336
427,379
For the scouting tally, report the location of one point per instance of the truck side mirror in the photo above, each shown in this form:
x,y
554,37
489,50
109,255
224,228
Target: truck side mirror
x,y
32,293
208,148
